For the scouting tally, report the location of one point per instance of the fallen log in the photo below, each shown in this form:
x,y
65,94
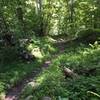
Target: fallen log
x,y
69,73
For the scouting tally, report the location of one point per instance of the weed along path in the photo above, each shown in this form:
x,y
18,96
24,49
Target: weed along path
x,y
14,92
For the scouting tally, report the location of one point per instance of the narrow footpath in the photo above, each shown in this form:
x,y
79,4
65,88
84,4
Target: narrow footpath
x,y
15,91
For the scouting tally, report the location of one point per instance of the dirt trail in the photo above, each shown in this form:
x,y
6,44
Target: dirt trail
x,y
14,92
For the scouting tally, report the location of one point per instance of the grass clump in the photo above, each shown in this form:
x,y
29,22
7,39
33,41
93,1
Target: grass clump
x,y
14,73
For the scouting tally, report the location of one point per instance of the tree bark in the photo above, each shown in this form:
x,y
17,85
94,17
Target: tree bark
x,y
19,13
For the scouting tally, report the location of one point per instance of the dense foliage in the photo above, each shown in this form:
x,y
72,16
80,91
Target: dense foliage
x,y
63,33
25,17
53,83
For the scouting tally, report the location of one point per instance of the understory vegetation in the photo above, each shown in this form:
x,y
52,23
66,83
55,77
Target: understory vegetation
x,y
52,81
11,73
50,49
83,59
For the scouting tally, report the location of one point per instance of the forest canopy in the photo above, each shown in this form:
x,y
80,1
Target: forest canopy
x,y
25,17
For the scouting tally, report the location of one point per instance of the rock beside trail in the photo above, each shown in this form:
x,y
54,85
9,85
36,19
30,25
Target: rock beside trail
x,y
69,73
28,89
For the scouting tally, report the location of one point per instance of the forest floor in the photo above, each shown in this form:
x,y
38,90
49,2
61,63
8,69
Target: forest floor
x,y
49,77
14,92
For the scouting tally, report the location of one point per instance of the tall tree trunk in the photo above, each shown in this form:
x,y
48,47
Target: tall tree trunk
x,y
72,13
20,17
41,19
97,15
39,10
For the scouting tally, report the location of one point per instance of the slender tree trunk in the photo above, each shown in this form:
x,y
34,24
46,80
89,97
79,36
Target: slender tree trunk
x,y
39,10
72,14
41,19
95,20
97,15
20,17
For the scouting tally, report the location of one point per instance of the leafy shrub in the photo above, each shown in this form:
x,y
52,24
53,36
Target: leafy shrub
x,y
8,54
88,35
12,70
2,87
52,83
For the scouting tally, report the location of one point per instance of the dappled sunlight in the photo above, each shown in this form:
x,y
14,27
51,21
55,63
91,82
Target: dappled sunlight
x,y
50,50
48,81
16,72
51,82
37,53
83,56
41,79
50,39
30,47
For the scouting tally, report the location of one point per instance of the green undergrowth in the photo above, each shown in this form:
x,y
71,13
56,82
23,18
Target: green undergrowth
x,y
13,69
52,82
44,44
14,73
